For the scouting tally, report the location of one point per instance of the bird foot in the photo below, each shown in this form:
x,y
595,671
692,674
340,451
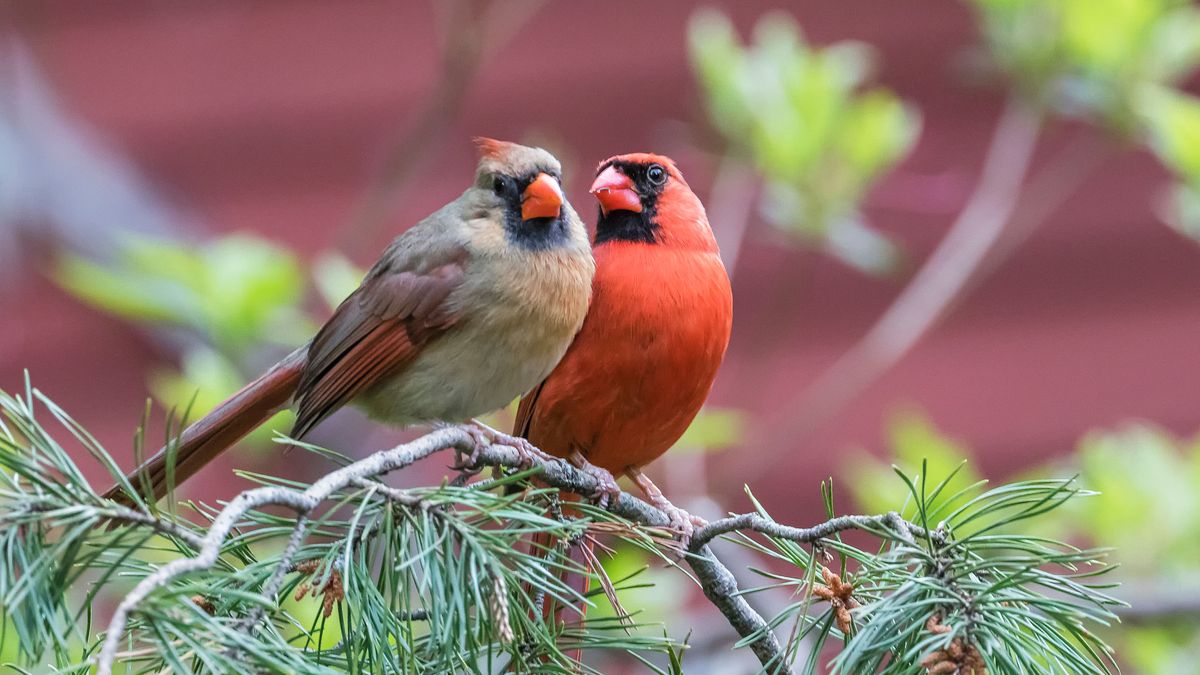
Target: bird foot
x,y
679,520
527,453
483,436
606,485
468,462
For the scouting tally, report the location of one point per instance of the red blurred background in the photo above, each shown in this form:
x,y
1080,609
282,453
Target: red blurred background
x,y
274,117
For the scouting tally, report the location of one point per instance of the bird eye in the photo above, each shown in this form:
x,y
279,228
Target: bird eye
x,y
656,174
499,185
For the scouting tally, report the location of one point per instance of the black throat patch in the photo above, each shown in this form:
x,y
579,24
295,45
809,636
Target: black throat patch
x,y
535,234
633,226
627,226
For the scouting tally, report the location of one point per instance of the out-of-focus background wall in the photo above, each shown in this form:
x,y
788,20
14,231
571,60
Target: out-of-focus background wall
x,y
138,137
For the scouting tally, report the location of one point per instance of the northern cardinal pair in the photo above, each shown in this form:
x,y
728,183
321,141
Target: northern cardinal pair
x,y
497,294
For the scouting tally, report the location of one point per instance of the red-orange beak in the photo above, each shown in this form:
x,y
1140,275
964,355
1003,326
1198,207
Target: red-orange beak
x,y
542,199
615,192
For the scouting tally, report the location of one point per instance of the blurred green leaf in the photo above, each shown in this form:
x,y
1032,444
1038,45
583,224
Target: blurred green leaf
x,y
1173,121
1093,58
798,114
1181,209
336,277
237,291
130,296
713,429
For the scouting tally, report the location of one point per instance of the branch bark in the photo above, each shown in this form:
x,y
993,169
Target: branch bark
x,y
717,582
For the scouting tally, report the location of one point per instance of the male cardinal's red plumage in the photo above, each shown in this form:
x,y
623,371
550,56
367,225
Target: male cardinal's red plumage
x,y
466,310
655,334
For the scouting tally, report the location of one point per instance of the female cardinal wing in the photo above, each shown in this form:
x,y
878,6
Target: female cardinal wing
x,y
374,333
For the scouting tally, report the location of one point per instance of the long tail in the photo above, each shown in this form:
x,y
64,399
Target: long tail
x,y
208,437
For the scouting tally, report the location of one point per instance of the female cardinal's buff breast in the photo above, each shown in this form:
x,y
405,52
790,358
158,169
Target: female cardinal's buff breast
x,y
656,332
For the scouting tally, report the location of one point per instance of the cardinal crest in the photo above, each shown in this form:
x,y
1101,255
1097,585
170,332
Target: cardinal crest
x,y
490,148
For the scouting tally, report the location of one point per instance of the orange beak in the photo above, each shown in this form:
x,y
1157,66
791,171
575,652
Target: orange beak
x,y
615,192
542,199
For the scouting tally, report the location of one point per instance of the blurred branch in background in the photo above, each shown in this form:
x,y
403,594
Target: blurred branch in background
x,y
59,183
940,282
820,145
472,30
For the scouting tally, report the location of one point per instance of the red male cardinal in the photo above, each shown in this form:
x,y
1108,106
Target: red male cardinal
x,y
656,332
465,311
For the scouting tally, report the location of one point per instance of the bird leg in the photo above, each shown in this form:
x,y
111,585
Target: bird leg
x,y
607,488
681,521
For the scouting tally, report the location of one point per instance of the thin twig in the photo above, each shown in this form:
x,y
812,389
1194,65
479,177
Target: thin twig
x,y
124,514
804,535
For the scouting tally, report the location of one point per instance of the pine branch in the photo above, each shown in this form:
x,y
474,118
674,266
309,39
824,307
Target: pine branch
x,y
959,594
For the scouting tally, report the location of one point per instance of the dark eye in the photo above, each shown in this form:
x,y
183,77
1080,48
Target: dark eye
x,y
499,185
656,174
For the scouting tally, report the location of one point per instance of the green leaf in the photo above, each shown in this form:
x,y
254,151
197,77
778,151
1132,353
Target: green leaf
x,y
1173,119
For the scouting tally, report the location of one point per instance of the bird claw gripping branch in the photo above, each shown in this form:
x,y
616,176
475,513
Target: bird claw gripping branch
x,y
483,435
606,485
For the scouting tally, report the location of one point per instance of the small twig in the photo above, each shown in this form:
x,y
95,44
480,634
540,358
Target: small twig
x,y
756,523
119,513
276,581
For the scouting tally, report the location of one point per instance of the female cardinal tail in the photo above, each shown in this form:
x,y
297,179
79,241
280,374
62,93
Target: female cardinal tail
x,y
225,425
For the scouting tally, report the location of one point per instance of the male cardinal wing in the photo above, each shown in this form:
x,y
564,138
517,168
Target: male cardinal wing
x,y
525,410
374,333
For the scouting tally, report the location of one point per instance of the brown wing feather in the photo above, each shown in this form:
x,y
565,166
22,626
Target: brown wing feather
x,y
374,333
525,410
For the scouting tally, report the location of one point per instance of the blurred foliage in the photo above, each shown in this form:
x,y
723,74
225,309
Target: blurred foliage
x,y
205,379
800,114
237,291
1146,507
914,442
1115,63
714,429
233,295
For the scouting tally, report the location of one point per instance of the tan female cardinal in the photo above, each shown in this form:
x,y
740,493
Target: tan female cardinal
x,y
465,311
661,313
